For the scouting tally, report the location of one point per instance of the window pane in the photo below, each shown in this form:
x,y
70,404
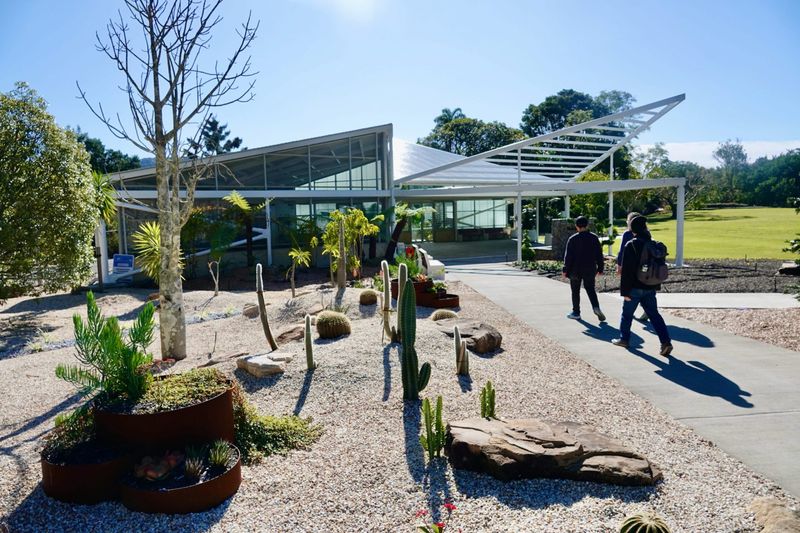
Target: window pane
x,y
287,169
241,174
330,166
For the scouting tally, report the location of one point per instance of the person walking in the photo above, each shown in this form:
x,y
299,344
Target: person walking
x,y
583,261
626,237
636,293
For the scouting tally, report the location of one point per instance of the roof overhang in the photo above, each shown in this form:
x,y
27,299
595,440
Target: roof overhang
x,y
563,155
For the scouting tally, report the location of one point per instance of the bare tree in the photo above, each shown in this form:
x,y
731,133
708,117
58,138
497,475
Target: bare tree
x,y
168,93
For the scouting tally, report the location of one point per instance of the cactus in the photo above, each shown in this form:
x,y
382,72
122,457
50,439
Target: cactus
x,y
487,401
368,297
415,378
402,278
310,364
262,309
462,356
434,437
341,261
331,324
646,522
387,300
443,314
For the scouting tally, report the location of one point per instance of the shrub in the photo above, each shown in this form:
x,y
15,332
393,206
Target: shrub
x,y
49,205
182,390
331,324
443,314
258,436
71,431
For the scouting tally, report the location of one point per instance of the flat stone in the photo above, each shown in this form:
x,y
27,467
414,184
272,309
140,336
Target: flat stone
x,y
260,365
480,337
281,357
152,296
294,333
250,311
315,309
531,448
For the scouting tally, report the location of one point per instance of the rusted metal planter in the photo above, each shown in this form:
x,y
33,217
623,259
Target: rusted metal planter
x,y
191,499
420,287
438,301
206,421
84,483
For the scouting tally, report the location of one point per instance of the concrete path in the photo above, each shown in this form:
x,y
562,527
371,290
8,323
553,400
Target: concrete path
x,y
729,300
739,393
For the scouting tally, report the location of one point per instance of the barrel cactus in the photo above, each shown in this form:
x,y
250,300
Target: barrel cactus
x,y
645,522
368,297
415,378
443,314
331,324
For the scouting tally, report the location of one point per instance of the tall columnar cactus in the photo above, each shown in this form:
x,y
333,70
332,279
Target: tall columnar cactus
x,y
646,522
487,401
387,300
434,438
310,364
402,279
462,356
415,378
341,264
262,309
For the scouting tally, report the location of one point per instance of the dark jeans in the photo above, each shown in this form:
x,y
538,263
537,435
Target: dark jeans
x,y
588,284
647,299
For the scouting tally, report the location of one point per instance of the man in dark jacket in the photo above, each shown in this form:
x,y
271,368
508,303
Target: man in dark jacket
x,y
583,261
634,292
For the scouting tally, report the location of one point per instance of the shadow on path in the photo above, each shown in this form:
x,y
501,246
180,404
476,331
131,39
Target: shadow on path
x,y
697,377
435,484
414,453
465,382
387,370
681,334
37,420
301,400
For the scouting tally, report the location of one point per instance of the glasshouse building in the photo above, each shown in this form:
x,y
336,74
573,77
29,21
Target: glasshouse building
x,y
477,198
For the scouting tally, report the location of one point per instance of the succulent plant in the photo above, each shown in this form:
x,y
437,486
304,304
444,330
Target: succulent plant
x,y
487,401
434,437
309,341
462,356
415,378
443,314
157,468
193,468
368,297
262,309
219,454
331,324
645,522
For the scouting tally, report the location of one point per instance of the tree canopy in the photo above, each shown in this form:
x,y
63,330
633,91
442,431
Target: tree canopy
x,y
106,160
48,210
458,134
214,139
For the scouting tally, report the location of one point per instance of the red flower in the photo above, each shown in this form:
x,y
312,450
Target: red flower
x,y
409,252
421,512
450,507
440,525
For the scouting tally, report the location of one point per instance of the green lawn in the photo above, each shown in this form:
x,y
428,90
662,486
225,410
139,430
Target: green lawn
x,y
751,232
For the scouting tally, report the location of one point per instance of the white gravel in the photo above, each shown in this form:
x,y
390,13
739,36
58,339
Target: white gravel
x,y
367,472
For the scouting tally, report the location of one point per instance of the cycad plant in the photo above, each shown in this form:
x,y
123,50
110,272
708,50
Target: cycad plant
x,y
147,243
109,364
246,214
105,197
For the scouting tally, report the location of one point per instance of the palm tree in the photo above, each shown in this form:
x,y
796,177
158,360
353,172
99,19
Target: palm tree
x,y
448,115
105,202
246,214
299,257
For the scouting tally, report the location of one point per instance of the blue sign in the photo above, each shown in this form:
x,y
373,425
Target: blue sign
x,y
123,263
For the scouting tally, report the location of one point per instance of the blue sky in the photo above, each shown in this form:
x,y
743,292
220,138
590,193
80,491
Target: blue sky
x,y
333,65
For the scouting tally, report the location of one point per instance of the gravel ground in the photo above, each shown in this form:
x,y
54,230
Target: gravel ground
x,y
780,327
714,275
367,472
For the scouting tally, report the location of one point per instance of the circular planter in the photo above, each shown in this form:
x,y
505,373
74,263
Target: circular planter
x,y
84,483
420,287
438,302
192,499
202,422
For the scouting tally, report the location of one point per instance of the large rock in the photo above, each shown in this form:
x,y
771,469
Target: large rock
x,y
531,448
264,364
294,333
480,337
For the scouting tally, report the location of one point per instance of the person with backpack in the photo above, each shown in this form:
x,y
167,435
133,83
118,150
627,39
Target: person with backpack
x,y
583,260
626,237
644,267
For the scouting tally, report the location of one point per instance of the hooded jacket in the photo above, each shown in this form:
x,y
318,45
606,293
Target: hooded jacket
x,y
631,255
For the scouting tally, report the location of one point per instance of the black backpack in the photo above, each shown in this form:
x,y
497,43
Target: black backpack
x,y
652,263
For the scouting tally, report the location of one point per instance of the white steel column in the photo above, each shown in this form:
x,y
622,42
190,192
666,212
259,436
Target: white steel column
x,y
566,206
611,208
101,241
537,219
679,227
269,231
518,221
